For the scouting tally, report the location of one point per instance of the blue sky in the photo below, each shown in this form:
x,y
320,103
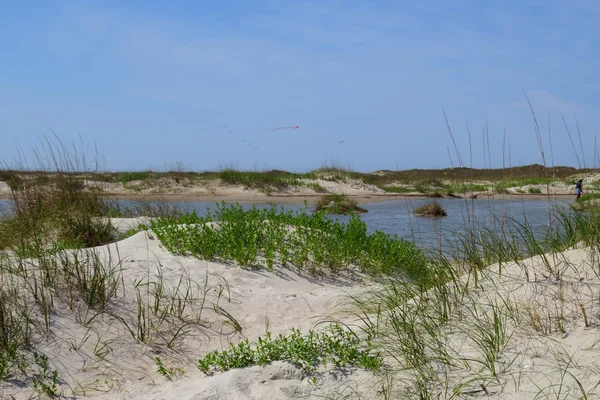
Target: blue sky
x,y
152,84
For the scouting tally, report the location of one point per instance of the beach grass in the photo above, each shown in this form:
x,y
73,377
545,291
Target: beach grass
x,y
409,320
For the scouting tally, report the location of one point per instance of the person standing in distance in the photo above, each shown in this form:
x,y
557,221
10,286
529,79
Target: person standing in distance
x,y
579,188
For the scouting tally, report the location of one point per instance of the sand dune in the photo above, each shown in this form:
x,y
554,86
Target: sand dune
x,y
549,351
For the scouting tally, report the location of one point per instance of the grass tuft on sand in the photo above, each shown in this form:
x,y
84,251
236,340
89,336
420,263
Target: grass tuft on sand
x,y
430,209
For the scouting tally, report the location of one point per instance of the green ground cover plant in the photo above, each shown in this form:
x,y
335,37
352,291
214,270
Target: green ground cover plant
x,y
333,345
261,238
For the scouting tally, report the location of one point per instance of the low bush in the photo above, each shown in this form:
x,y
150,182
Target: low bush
x,y
431,209
339,204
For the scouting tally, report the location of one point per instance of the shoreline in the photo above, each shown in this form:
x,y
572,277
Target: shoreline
x,y
299,199
313,199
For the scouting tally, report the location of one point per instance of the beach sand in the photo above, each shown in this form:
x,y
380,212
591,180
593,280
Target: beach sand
x,y
97,355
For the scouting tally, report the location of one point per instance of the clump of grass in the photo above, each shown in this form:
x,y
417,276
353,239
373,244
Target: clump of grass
x,y
318,188
339,204
430,209
534,190
334,345
268,180
397,189
62,210
503,185
464,188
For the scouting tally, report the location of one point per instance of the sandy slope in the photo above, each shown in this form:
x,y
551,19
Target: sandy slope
x,y
165,188
549,354
94,354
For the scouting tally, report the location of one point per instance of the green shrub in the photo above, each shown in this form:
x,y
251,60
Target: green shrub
x,y
534,190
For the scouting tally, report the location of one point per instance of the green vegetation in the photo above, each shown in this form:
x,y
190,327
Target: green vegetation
x,y
450,181
334,345
63,212
169,373
523,182
534,190
339,204
431,209
133,176
415,325
260,180
397,189
468,188
261,238
318,188
407,318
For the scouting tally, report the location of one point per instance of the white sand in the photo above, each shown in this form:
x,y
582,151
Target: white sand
x,y
276,300
101,358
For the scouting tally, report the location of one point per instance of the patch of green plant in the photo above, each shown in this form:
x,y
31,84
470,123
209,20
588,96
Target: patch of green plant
x,y
339,204
14,331
169,373
129,233
589,196
464,188
421,188
318,188
397,189
304,240
261,180
335,174
534,190
333,345
46,382
133,176
133,188
522,182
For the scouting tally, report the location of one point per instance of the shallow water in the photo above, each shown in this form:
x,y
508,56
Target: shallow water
x,y
396,217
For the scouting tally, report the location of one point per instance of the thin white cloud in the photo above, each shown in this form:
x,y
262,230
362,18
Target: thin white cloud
x,y
545,102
